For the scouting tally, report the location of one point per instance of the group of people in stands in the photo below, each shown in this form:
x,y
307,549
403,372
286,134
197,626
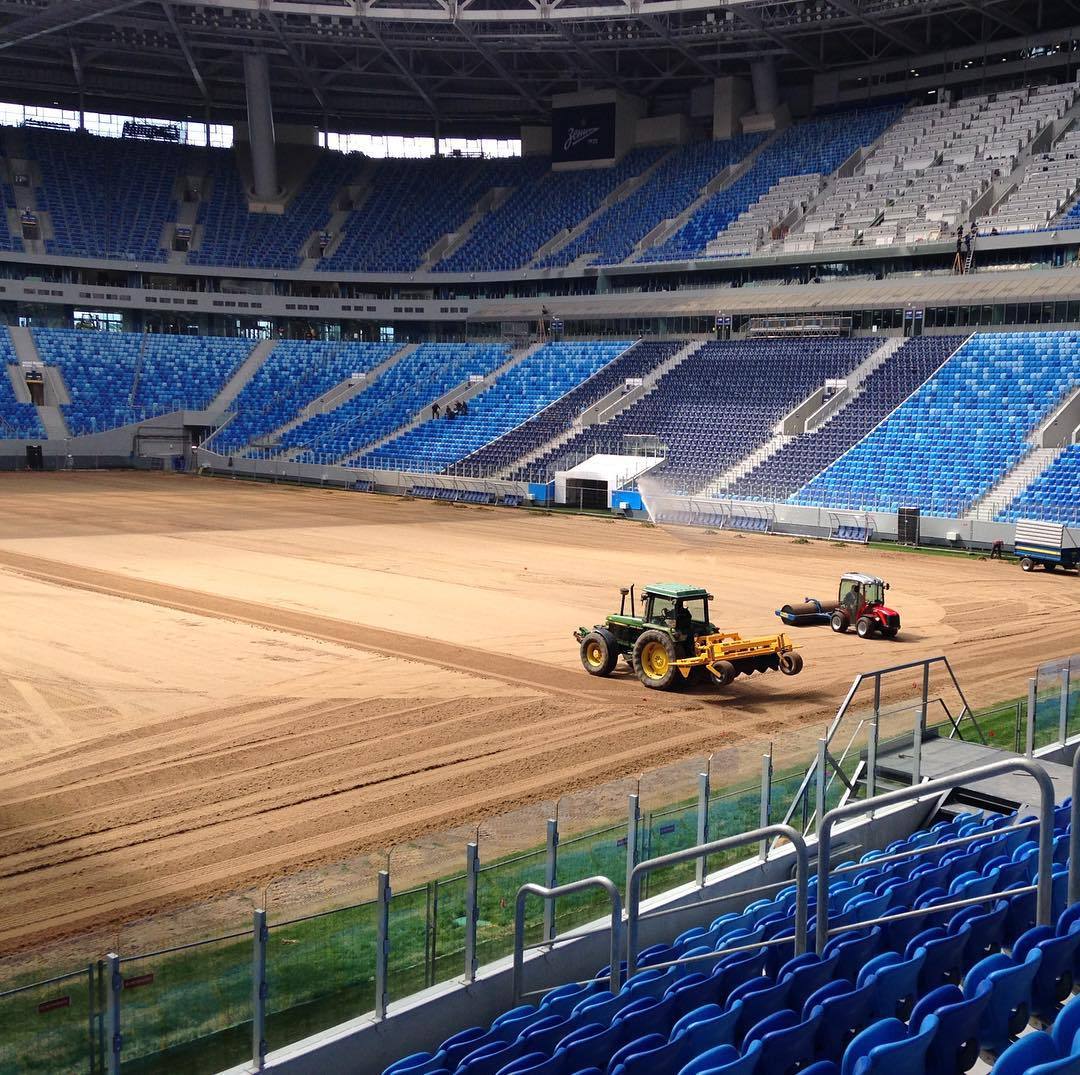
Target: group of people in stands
x,y
964,242
454,410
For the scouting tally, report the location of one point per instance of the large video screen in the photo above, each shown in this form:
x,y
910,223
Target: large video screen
x,y
583,133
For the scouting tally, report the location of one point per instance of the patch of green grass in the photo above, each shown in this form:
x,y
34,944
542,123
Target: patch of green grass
x,y
935,550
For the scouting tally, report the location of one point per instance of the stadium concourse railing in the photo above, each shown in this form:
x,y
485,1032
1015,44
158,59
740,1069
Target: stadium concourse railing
x,y
278,978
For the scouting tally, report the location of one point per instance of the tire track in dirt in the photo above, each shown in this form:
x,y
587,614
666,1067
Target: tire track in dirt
x,y
516,670
54,902
193,812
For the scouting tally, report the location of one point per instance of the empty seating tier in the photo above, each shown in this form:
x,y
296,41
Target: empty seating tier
x,y
114,378
960,432
818,145
1054,496
404,391
538,379
668,190
294,374
559,416
16,419
233,235
106,197
716,406
409,205
537,211
8,239
880,393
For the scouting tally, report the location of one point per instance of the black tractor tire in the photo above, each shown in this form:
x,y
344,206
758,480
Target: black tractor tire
x,y
791,663
864,627
654,661
599,653
1027,564
839,622
1049,566
889,632
724,673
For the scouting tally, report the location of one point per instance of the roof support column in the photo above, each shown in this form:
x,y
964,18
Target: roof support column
x,y
766,91
260,116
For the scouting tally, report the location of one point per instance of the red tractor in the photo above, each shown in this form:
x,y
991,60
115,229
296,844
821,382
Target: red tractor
x,y
861,602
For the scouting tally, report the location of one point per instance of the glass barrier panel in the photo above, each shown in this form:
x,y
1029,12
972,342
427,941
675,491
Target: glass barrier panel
x,y
1053,684
190,1007
592,843
1074,695
320,971
512,853
52,1026
448,929
437,862
409,936
497,888
669,821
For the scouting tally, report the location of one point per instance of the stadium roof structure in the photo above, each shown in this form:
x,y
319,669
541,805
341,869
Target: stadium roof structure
x,y
469,66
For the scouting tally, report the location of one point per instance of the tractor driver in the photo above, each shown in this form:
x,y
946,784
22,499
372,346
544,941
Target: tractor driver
x,y
851,599
684,622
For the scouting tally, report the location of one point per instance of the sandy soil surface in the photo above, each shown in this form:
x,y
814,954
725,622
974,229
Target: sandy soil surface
x,y
208,686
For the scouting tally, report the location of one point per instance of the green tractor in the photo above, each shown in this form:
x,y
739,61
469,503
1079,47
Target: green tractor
x,y
673,641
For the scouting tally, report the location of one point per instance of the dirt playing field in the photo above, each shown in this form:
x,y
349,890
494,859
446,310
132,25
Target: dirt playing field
x,y
207,685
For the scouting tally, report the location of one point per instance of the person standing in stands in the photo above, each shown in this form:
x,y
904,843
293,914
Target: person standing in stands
x,y
434,410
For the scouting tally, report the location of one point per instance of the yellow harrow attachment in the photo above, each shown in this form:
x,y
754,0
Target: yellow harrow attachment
x,y
727,654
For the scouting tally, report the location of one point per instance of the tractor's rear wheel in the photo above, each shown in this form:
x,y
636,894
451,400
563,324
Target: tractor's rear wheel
x,y
839,622
723,672
1027,564
654,661
791,663
864,627
598,653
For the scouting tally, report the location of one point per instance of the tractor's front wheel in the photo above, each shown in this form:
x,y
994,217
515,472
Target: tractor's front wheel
x,y
598,653
654,661
839,622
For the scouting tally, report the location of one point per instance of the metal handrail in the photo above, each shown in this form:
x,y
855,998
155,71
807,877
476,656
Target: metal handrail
x,y
692,854
931,788
548,894
876,677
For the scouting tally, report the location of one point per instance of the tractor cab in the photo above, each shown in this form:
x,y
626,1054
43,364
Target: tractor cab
x,y
861,602
681,610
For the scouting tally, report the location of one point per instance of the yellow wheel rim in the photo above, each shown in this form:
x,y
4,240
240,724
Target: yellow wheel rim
x,y
654,660
594,654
